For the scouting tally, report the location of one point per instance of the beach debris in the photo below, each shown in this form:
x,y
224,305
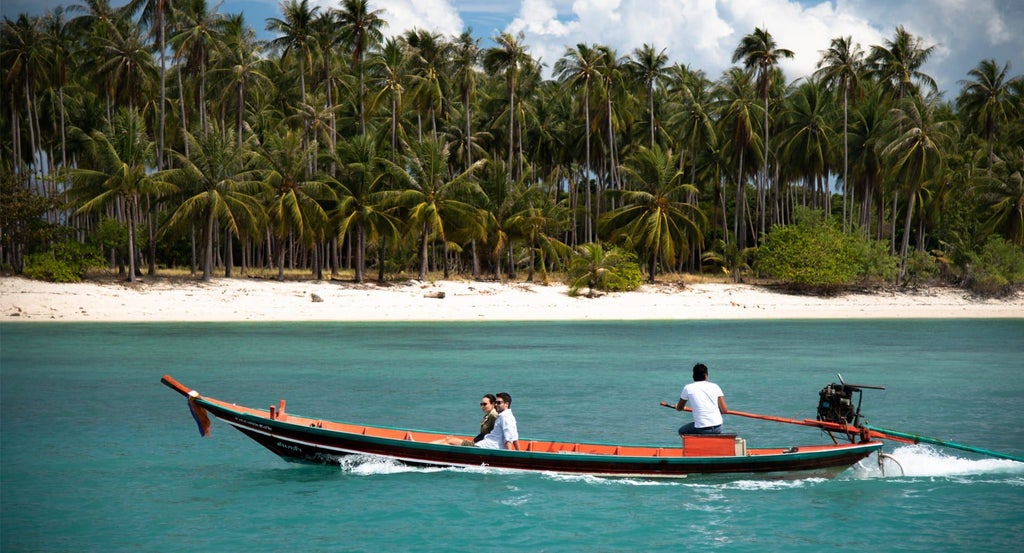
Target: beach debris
x,y
435,295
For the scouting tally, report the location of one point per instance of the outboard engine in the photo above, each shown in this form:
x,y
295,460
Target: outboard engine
x,y
836,405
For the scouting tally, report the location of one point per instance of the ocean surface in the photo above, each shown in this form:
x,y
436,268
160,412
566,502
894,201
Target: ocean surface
x,y
97,456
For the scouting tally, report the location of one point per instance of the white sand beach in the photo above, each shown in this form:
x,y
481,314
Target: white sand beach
x,y
247,299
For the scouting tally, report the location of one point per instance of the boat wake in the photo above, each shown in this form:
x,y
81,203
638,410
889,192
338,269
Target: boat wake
x,y
372,465
917,461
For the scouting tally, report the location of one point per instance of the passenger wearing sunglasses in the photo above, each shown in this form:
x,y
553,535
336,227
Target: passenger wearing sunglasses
x,y
505,434
490,415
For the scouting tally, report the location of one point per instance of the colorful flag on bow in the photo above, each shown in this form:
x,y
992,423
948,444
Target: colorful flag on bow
x,y
199,414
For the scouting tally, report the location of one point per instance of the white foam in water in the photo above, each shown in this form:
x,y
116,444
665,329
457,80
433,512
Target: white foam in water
x,y
369,465
760,485
927,461
906,461
611,480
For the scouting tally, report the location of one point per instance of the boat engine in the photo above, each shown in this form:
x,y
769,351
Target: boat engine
x,y
836,405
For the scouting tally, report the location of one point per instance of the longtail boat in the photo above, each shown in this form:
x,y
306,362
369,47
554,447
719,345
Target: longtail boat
x,y
311,440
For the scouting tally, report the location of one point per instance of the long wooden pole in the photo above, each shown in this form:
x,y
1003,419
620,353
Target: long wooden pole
x,y
804,422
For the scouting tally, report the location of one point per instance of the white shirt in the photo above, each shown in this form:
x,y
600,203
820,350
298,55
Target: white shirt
x,y
702,396
505,430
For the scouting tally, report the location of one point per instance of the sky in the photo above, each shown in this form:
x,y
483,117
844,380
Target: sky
x,y
699,33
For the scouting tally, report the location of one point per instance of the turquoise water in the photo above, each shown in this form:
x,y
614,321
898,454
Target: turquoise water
x,y
96,455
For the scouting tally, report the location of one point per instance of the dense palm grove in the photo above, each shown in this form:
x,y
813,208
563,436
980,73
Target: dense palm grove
x,y
163,133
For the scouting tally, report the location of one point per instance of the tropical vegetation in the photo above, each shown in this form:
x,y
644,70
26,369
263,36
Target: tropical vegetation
x,y
166,133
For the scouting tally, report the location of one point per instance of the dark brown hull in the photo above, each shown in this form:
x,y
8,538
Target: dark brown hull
x,y
302,439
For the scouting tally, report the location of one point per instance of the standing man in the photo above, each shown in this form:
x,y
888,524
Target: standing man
x,y
505,434
707,401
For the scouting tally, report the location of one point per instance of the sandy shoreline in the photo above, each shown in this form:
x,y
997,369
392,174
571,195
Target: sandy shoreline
x,y
254,300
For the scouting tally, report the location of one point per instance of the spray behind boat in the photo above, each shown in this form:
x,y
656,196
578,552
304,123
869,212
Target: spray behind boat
x,y
839,418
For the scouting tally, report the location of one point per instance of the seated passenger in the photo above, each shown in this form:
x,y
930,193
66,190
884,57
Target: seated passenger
x,y
505,434
490,415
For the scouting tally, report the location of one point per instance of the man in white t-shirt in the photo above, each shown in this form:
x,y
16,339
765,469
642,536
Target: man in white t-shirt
x,y
505,434
707,402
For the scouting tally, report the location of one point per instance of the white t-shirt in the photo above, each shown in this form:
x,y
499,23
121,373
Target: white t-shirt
x,y
505,430
702,396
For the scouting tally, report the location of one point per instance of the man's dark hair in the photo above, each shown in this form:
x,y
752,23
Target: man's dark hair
x,y
700,372
507,398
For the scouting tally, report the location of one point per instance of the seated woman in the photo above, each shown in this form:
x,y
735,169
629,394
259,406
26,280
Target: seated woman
x,y
490,415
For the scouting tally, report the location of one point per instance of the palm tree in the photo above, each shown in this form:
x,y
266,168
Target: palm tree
x,y
508,56
128,68
429,52
897,64
61,46
154,14
760,55
612,72
391,70
363,199
298,36
539,222
294,198
361,29
917,156
737,110
655,216
239,70
328,38
1002,196
595,267
22,54
197,34
434,200
648,67
578,69
808,138
839,68
987,101
466,56
225,188
118,173
693,122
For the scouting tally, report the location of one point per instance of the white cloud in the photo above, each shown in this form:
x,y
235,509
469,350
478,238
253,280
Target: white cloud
x,y
703,34
434,15
402,15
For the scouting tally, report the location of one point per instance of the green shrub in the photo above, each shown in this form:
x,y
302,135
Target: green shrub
x,y
630,278
877,265
816,254
998,269
807,256
66,261
596,268
921,267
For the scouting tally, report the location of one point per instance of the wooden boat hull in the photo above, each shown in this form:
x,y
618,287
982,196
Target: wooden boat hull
x,y
303,439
